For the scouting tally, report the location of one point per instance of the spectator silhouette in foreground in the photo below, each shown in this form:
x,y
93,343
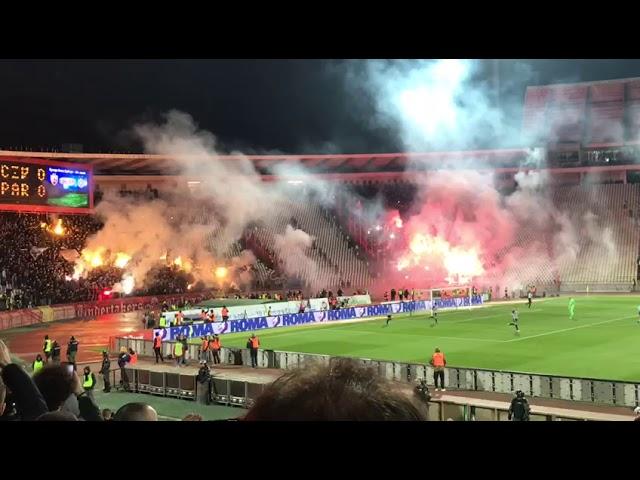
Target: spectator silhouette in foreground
x,y
61,388
58,416
18,391
342,390
3,395
136,412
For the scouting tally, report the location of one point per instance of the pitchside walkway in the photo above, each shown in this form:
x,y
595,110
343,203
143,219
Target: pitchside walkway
x,y
236,373
455,405
469,405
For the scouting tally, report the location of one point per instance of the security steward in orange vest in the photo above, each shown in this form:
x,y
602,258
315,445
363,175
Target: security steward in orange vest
x,y
214,346
134,357
438,362
254,344
157,347
204,349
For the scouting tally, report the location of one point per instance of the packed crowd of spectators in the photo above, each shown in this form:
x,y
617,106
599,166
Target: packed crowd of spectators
x,y
32,265
37,265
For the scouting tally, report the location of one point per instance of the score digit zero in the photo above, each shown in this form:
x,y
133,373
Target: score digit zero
x,y
19,189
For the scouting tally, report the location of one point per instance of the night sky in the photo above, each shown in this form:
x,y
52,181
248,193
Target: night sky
x,y
291,106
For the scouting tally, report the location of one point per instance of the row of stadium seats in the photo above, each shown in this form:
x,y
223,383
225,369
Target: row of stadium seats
x,y
605,240
610,256
606,237
333,261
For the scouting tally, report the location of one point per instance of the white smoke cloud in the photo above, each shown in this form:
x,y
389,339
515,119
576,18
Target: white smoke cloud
x,y
438,104
293,249
432,105
445,105
231,195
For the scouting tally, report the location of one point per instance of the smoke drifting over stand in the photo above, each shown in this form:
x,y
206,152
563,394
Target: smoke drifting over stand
x,y
464,229
293,247
193,228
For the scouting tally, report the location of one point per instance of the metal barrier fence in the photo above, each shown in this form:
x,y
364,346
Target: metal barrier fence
x,y
441,410
599,391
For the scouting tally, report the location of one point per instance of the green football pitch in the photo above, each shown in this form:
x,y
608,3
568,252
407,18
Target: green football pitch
x,y
603,340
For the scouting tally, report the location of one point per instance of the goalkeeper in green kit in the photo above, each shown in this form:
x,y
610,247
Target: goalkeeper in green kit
x,y
572,308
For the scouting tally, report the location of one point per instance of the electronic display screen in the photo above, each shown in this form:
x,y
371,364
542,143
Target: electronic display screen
x,y
45,186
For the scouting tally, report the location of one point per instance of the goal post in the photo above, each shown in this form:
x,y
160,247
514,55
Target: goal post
x,y
442,295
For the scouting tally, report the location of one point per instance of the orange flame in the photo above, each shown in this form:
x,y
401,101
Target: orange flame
x,y
122,259
461,264
221,273
56,229
59,229
93,258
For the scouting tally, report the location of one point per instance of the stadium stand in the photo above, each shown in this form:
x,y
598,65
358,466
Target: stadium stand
x,y
633,111
37,276
603,257
334,261
606,124
594,124
610,259
567,114
591,114
605,261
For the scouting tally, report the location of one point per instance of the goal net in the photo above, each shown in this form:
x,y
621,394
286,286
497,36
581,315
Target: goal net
x,y
458,296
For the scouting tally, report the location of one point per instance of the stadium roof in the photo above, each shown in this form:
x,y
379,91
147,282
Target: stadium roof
x,y
141,164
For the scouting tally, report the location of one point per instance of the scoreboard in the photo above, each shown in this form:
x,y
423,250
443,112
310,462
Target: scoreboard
x,y
40,185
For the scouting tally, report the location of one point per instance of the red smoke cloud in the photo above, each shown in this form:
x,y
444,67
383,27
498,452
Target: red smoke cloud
x,y
459,235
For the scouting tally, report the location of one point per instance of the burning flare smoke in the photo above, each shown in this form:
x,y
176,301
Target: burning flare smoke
x,y
140,235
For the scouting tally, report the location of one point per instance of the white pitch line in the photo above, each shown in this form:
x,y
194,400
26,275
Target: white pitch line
x,y
453,322
570,329
464,338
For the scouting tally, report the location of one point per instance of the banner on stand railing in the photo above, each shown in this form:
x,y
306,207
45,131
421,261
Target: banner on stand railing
x,y
130,304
